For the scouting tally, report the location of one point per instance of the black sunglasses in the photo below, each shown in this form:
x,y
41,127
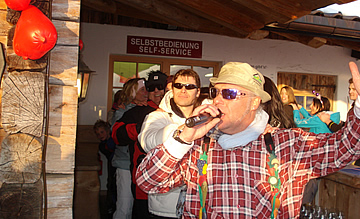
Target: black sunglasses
x,y
151,88
228,94
187,86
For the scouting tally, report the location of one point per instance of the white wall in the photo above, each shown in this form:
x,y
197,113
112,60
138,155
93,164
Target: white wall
x,y
271,55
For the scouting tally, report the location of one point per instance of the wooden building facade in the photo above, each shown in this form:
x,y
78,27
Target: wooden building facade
x,y
38,118
39,103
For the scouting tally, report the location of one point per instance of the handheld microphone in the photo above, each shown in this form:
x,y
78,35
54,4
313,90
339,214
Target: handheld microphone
x,y
200,119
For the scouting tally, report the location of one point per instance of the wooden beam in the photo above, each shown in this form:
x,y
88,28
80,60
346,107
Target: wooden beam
x,y
162,10
345,43
20,159
128,11
5,26
314,42
222,14
176,16
22,103
259,10
22,200
258,34
292,9
103,6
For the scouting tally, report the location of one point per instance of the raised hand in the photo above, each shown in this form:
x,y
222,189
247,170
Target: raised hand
x,y
355,75
191,134
324,117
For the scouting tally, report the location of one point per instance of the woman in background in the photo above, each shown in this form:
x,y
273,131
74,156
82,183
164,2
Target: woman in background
x,y
134,93
116,105
311,120
288,98
275,108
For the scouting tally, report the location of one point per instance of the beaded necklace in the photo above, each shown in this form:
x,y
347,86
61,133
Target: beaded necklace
x,y
202,183
272,165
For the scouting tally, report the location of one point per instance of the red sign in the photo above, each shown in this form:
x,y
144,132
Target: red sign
x,y
164,47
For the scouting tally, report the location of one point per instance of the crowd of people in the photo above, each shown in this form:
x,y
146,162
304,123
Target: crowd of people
x,y
251,159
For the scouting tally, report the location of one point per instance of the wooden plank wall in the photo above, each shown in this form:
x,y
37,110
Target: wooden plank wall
x,y
60,154
339,192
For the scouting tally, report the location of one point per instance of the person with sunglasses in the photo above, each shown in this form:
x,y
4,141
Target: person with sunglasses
x,y
242,172
125,133
175,107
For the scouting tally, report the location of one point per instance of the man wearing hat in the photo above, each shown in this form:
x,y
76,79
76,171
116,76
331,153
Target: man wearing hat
x,y
240,172
125,133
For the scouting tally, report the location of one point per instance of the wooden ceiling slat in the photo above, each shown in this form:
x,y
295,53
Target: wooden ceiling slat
x,y
261,12
289,10
107,7
175,16
218,12
128,11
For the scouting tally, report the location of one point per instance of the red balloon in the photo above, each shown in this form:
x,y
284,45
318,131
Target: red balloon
x,y
81,44
18,5
35,34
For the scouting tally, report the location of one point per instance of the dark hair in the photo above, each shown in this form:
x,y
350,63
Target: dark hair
x,y
169,79
117,96
324,106
351,81
101,124
156,78
187,73
275,107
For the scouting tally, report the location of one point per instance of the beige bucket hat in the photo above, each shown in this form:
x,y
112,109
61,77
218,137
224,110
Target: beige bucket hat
x,y
244,75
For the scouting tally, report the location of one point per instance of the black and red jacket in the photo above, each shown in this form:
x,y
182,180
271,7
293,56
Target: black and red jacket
x,y
125,132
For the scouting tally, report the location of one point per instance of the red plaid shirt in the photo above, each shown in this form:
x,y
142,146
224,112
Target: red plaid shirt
x,y
237,178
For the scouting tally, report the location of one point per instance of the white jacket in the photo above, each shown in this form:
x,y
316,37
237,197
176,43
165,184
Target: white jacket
x,y
156,128
159,125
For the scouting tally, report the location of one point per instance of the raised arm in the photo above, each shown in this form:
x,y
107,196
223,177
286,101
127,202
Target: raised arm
x,y
356,79
355,75
307,122
347,147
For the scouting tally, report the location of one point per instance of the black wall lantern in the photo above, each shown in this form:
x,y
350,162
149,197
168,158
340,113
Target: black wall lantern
x,y
83,79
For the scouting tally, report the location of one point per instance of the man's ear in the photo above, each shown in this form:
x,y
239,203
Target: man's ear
x,y
255,103
198,93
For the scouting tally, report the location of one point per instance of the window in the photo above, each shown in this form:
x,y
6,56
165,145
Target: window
x,y
304,98
123,68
